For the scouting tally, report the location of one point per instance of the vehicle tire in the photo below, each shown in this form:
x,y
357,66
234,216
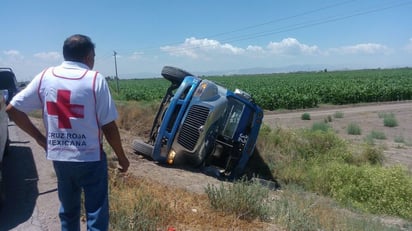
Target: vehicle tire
x,y
142,148
174,74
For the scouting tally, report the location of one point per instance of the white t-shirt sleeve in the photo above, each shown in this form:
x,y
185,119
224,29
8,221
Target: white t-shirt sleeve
x,y
105,106
28,99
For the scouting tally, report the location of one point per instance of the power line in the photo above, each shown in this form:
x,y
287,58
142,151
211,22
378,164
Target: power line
x,y
285,18
258,25
316,22
297,26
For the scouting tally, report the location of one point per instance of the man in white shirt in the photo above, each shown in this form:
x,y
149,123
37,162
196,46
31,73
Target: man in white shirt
x,y
77,111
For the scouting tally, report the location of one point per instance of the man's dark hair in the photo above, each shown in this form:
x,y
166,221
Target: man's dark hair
x,y
77,47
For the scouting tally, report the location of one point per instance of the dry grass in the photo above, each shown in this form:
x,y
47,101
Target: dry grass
x,y
146,205
136,117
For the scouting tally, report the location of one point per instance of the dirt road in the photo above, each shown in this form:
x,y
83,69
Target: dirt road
x,y
31,190
31,193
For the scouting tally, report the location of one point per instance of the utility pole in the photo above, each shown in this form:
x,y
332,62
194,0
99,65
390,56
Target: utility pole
x,y
115,67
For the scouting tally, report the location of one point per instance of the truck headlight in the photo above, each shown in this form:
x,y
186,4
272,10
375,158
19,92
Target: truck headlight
x,y
200,89
171,156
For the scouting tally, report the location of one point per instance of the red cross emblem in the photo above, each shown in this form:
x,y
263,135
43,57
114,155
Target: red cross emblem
x,y
64,110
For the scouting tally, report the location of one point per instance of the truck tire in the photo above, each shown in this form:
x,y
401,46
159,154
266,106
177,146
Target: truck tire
x,y
174,74
142,148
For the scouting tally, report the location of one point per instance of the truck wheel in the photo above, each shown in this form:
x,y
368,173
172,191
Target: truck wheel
x,y
143,148
174,74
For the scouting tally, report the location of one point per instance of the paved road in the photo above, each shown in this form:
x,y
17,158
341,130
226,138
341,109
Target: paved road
x,y
30,183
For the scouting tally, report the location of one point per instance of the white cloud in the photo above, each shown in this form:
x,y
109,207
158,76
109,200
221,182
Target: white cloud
x,y
196,48
13,54
203,48
255,49
48,55
363,48
291,46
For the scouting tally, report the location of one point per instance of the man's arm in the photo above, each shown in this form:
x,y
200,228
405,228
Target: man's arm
x,y
111,132
23,121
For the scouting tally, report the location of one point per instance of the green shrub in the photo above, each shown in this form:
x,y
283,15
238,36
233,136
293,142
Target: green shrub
x,y
373,189
354,129
320,126
316,143
377,135
305,116
328,119
298,150
373,155
338,114
389,120
246,199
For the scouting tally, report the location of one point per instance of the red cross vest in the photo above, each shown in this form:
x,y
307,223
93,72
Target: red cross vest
x,y
69,112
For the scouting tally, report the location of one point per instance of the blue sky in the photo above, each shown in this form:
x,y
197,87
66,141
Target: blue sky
x,y
209,36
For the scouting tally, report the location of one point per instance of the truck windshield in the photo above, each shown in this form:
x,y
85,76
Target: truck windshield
x,y
235,113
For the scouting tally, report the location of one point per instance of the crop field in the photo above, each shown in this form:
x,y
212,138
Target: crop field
x,y
293,90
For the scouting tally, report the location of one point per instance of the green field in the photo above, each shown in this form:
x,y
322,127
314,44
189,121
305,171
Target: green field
x,y
293,90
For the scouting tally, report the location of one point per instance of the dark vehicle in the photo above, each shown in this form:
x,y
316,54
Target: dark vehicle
x,y
203,125
8,88
8,82
4,135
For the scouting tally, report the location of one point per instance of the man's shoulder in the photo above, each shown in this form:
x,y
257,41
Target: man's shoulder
x,y
100,82
99,76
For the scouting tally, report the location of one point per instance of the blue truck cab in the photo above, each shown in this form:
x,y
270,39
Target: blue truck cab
x,y
202,124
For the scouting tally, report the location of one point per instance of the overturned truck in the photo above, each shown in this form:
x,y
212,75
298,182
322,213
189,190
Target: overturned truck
x,y
203,125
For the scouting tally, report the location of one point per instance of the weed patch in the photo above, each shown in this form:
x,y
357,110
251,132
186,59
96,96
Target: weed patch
x,y
354,129
247,200
305,116
389,119
338,115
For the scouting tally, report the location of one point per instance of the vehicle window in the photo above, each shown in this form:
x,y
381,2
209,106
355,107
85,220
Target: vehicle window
x,y
232,121
7,80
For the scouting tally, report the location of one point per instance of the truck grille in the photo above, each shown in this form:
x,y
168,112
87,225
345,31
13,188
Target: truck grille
x,y
189,134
